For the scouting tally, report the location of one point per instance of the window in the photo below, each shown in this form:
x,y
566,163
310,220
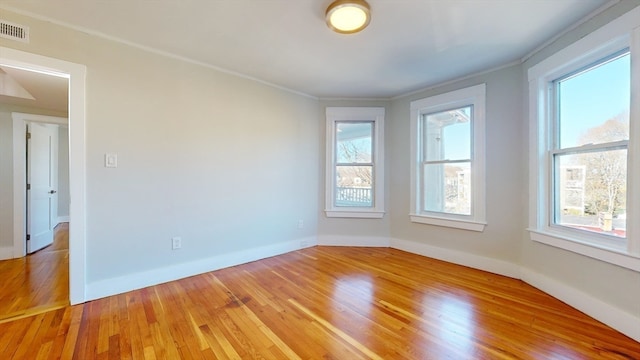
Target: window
x,y
584,126
355,170
448,159
589,152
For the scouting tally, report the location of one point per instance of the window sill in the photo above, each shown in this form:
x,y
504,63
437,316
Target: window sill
x,y
359,214
452,223
612,256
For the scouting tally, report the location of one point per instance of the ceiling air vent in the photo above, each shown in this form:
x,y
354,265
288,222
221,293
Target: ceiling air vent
x,y
14,31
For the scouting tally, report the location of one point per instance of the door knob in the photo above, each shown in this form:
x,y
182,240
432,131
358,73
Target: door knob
x,y
52,192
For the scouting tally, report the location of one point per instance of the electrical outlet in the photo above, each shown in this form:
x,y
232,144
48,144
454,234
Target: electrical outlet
x,y
176,243
300,224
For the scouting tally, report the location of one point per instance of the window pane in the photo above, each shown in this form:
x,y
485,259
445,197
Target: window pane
x,y
594,104
591,191
447,188
354,185
447,135
354,142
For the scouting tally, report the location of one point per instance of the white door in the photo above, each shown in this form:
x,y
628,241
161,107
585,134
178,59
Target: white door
x,y
41,184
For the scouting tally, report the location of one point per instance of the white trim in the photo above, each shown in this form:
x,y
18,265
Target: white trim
x,y
129,282
587,249
354,214
585,47
63,219
19,175
6,252
339,114
356,241
569,29
456,224
496,266
472,95
154,50
618,319
614,317
76,73
45,119
457,80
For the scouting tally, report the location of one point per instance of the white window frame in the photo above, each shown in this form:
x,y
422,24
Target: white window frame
x,y
474,96
619,34
375,115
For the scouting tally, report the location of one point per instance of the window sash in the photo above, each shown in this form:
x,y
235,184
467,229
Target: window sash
x,y
355,195
338,195
371,136
555,195
556,151
362,198
424,195
424,154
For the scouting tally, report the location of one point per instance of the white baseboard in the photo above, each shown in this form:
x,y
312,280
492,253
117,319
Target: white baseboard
x,y
356,241
63,219
620,320
118,285
6,252
495,266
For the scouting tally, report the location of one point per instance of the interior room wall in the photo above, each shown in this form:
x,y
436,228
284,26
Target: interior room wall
x,y
497,247
226,163
230,165
350,231
6,173
63,174
608,283
6,184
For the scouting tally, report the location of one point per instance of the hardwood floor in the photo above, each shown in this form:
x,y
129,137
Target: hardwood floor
x,y
322,303
37,282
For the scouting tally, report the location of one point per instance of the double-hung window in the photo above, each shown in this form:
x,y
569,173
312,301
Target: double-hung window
x,y
584,145
355,169
448,159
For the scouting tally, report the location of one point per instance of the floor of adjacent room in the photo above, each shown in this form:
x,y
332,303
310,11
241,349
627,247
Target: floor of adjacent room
x,y
37,282
320,302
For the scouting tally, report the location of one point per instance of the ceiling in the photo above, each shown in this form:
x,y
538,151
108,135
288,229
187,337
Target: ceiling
x,y
37,90
409,44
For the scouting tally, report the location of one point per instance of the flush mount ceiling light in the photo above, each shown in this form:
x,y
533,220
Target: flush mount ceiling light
x,y
348,16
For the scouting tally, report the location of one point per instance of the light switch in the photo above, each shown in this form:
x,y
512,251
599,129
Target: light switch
x,y
111,160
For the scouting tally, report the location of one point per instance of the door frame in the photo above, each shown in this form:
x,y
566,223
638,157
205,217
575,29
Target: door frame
x,y
20,121
76,73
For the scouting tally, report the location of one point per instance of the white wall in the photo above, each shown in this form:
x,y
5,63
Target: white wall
x,y
226,163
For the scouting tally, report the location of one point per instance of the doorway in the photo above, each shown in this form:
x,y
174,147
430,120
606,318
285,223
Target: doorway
x,y
43,171
75,73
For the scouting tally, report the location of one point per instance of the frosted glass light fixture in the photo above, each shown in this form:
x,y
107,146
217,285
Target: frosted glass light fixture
x,y
348,16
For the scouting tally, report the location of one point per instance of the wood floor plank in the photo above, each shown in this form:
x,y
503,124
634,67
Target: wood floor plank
x,y
37,282
321,303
